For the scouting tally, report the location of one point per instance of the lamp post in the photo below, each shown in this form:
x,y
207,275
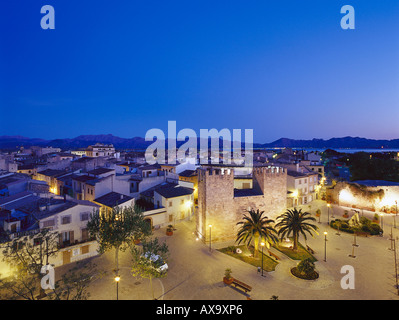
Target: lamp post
x,y
210,238
325,246
396,213
328,213
117,279
396,267
354,244
391,239
382,221
262,245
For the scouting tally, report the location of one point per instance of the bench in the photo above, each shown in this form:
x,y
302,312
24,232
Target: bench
x,y
273,255
236,283
310,249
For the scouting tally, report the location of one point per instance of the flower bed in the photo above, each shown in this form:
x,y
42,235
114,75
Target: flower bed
x,y
366,227
311,276
246,255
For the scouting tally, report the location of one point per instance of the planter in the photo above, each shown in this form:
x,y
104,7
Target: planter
x,y
228,280
138,241
169,233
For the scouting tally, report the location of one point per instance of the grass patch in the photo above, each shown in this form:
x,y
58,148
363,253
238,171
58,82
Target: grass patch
x,y
300,254
269,264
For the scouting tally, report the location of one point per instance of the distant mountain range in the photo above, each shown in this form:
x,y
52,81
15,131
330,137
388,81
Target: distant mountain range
x,y
83,141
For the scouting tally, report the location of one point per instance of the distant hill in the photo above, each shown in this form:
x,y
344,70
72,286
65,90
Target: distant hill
x,y
345,142
8,142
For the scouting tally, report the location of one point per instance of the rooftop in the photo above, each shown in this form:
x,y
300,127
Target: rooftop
x,y
174,191
112,199
246,193
188,173
99,171
83,178
149,193
52,172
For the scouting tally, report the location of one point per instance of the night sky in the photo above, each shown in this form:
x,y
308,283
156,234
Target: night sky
x,y
281,68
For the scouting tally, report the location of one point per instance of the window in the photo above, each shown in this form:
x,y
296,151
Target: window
x,y
67,237
13,228
66,219
49,223
170,203
84,216
85,234
299,181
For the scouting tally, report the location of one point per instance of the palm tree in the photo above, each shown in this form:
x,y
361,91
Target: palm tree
x,y
255,227
295,222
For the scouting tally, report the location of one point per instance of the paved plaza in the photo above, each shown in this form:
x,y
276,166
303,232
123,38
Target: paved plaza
x,y
196,273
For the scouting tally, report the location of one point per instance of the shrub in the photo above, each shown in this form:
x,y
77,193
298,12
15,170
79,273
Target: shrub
x,y
306,266
375,229
365,221
227,273
232,249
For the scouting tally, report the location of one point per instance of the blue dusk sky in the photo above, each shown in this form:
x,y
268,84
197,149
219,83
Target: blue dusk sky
x,y
281,68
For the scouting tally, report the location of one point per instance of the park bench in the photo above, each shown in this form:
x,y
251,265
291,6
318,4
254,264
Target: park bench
x,y
273,255
236,283
309,249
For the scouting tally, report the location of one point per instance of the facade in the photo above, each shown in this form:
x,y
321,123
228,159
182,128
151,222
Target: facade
x,y
301,186
177,200
54,179
100,150
221,206
191,177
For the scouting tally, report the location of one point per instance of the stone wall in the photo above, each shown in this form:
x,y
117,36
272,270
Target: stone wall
x,y
374,198
218,207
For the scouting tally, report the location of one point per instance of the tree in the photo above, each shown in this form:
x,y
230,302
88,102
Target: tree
x,y
149,262
26,256
73,284
117,229
256,227
295,222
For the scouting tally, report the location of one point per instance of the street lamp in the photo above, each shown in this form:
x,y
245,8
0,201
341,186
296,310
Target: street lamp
x,y
325,246
382,221
117,279
262,245
210,238
328,213
396,266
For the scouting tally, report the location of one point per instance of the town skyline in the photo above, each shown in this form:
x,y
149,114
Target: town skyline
x,y
139,142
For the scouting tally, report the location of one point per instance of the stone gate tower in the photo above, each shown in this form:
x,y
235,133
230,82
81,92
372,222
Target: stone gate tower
x,y
221,206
